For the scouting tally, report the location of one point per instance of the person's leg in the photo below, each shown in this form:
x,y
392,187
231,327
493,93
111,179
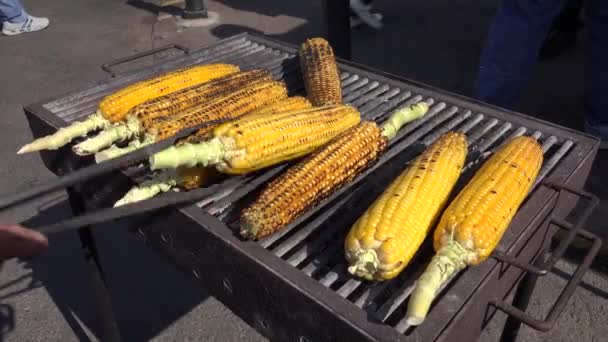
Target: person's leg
x,y
16,21
563,33
361,12
12,11
511,49
596,69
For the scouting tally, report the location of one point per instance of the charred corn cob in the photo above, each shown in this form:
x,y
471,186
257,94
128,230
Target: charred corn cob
x,y
475,221
321,174
386,237
194,177
168,105
186,178
320,72
288,104
230,106
255,142
113,108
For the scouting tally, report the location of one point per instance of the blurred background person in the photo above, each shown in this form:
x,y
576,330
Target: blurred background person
x,y
15,19
361,13
512,47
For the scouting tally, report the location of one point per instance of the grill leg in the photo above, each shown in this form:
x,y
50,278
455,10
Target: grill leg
x,y
337,25
520,301
102,295
522,298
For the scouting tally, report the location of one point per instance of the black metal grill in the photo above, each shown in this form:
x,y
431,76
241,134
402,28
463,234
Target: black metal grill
x,y
305,260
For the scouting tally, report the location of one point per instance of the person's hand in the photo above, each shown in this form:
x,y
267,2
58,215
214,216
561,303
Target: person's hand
x,y
19,242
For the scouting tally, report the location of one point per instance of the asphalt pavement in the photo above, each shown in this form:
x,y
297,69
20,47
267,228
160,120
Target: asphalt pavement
x,y
435,42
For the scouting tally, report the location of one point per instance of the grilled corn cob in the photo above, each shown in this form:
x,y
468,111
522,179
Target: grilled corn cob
x,y
256,142
320,72
194,177
113,108
386,237
168,105
187,178
475,221
288,104
321,174
230,106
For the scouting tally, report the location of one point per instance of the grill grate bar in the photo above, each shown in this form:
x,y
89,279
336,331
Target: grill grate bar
x,y
453,123
552,162
356,84
395,301
333,275
243,189
351,285
302,234
549,143
388,106
351,95
372,94
368,297
471,123
485,129
486,143
321,260
314,247
375,102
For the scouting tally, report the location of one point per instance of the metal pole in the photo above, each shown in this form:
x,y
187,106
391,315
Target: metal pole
x,y
195,9
337,26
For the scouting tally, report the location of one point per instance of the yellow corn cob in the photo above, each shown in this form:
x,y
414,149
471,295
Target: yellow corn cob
x,y
320,72
187,178
165,106
321,174
113,108
289,104
252,143
475,221
231,106
386,237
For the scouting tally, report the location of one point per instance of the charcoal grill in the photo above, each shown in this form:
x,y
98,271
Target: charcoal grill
x,y
292,286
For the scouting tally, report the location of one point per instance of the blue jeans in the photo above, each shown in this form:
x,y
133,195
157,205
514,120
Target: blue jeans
x,y
511,52
12,10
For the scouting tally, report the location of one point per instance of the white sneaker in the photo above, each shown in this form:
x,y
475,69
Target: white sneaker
x,y
365,15
356,21
31,24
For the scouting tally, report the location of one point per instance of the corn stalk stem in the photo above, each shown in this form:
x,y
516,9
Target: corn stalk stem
x,y
159,183
211,152
450,259
66,134
116,133
403,116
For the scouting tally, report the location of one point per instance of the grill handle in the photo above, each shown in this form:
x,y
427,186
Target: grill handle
x,y
574,230
108,66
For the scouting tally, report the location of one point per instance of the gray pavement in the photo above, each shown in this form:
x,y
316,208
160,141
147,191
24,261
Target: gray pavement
x,y
49,299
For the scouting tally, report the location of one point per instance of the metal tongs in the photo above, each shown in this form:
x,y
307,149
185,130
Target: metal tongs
x,y
92,171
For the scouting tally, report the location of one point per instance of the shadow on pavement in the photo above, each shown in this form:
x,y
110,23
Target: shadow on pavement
x,y
148,294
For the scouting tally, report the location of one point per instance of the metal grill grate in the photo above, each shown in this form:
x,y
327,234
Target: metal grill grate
x,y
313,244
